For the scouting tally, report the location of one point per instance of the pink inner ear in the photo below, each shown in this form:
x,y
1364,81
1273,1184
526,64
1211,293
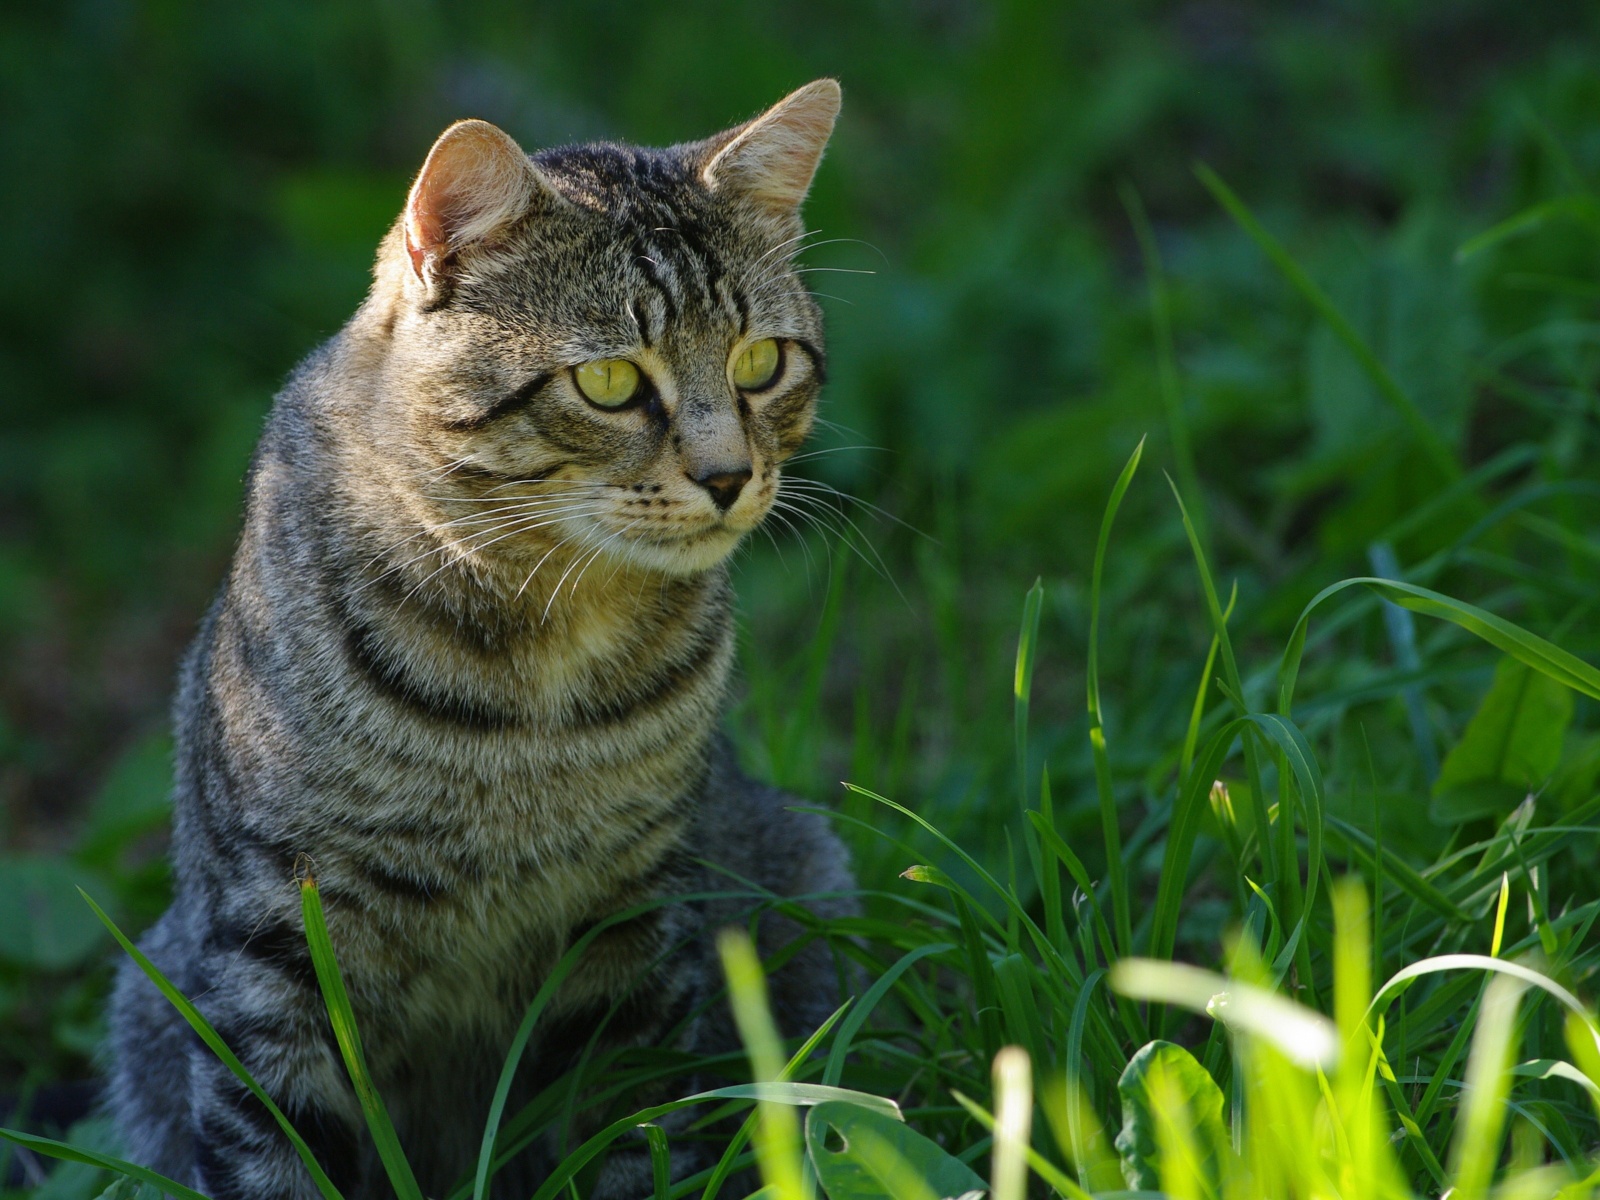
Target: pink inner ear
x,y
475,181
422,230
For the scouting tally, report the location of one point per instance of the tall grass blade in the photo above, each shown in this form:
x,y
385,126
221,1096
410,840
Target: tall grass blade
x,y
1166,359
1191,734
864,1008
660,1161
1043,1167
202,1027
802,1094
62,1152
1022,683
1482,1121
1500,915
1535,651
343,1019
1060,961
1579,207
1478,962
536,1007
777,1135
1299,1033
1013,1090
1276,871
1116,870
731,1155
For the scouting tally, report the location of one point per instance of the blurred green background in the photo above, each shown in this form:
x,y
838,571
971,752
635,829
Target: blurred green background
x,y
190,196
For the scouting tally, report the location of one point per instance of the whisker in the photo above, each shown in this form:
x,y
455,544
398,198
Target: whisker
x,y
571,483
536,567
583,558
520,529
803,484
794,458
617,566
525,523
426,529
843,531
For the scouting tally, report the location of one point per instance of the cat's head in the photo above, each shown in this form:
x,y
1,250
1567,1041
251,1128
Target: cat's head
x,y
605,348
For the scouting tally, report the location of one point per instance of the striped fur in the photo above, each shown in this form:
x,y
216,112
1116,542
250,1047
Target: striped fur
x,y
470,660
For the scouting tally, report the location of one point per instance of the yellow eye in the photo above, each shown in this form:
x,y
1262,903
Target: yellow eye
x,y
755,365
608,382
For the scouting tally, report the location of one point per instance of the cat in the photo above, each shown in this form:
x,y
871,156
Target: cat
x,y
470,661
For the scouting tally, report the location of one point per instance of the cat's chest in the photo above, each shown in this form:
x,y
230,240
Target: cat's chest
x,y
521,752
472,959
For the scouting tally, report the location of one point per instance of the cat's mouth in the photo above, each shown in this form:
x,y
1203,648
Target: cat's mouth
x,y
682,552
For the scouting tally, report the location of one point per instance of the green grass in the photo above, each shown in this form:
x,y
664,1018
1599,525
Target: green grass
x,y
1277,720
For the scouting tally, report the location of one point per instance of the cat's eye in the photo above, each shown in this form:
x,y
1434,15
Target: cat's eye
x,y
756,364
608,382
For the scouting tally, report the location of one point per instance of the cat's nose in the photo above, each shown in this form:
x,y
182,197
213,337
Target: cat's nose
x,y
723,485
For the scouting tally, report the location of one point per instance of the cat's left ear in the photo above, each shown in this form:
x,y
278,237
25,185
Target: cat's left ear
x,y
475,182
772,159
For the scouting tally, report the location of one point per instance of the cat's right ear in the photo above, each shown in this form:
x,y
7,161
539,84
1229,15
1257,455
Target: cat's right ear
x,y
475,182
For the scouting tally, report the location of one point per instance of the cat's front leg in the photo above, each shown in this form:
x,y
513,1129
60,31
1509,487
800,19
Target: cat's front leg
x,y
240,1150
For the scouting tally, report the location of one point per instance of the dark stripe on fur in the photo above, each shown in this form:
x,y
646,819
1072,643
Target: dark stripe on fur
x,y
647,268
398,883
391,680
276,944
504,407
658,689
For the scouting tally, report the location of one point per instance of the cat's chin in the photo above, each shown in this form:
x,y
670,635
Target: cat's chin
x,y
681,556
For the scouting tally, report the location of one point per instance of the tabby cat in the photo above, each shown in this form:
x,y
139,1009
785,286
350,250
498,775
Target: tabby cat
x,y
470,661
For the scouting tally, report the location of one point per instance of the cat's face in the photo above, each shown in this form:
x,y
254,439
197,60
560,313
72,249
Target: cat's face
x,y
607,350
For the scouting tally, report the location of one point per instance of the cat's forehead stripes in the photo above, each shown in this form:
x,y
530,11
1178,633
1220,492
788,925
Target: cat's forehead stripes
x,y
680,244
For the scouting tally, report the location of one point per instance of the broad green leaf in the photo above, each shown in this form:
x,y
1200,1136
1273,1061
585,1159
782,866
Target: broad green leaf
x,y
801,1094
1164,1067
43,923
1511,745
859,1154
136,796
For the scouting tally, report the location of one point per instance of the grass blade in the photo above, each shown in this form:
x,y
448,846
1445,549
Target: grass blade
x,y
863,1009
1022,684
1046,1170
51,1148
342,1016
1535,651
536,1007
1013,1090
202,1027
727,1164
1479,1128
660,1161
1116,870
777,1134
